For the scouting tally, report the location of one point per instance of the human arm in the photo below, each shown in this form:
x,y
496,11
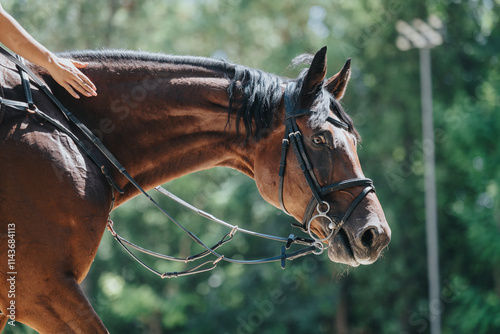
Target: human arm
x,y
64,71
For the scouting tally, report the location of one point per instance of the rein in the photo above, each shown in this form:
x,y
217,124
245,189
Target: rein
x,y
314,246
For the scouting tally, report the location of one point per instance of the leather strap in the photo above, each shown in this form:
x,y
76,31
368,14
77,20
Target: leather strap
x,y
26,85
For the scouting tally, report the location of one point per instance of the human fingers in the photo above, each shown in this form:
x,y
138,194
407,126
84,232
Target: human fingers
x,y
79,64
87,83
82,80
70,90
83,85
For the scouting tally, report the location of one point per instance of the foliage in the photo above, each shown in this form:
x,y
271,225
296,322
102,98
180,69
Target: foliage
x,y
389,296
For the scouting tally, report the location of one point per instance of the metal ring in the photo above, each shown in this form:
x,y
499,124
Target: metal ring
x,y
320,246
321,212
309,228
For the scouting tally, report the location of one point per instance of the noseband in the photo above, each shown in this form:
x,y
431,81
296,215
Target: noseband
x,y
319,193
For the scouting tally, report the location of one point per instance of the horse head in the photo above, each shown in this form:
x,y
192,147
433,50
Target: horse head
x,y
321,182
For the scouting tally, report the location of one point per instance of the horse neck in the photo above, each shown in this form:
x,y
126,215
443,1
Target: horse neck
x,y
165,121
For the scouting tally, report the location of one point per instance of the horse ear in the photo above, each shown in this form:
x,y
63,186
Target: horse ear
x,y
316,73
338,83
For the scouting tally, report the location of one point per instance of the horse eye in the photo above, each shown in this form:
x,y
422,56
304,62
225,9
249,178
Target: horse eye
x,y
319,140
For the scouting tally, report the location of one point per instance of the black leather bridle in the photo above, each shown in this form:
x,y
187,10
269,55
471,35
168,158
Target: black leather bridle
x,y
317,202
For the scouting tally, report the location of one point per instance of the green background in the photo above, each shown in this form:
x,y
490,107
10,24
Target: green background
x,y
313,295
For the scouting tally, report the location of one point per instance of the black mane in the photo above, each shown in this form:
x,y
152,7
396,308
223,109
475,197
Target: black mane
x,y
254,95
257,95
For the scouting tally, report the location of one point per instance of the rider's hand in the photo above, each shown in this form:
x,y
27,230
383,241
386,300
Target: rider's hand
x,y
66,73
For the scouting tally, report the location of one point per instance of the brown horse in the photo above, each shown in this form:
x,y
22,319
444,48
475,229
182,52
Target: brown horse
x,y
164,117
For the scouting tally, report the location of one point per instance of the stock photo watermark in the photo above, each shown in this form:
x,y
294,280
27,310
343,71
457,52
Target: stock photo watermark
x,y
11,274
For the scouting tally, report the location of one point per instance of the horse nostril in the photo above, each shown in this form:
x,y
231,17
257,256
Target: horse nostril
x,y
368,237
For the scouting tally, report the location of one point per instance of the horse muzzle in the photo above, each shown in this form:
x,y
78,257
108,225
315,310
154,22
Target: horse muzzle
x,y
349,242
355,248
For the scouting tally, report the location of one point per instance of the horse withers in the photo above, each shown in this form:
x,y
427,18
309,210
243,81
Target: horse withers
x,y
164,117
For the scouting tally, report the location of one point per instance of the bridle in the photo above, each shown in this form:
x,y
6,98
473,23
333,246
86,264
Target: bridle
x,y
317,202
292,134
